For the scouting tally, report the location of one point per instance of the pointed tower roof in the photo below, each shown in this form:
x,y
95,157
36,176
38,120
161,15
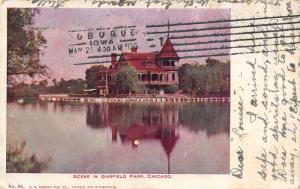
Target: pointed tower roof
x,y
168,50
168,144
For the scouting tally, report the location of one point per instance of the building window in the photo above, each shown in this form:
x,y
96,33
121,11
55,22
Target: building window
x,y
167,77
172,62
154,77
165,62
160,77
144,77
173,76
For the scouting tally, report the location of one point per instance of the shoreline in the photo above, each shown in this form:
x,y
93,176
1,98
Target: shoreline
x,y
63,97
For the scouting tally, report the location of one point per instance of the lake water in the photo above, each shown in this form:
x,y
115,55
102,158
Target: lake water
x,y
124,137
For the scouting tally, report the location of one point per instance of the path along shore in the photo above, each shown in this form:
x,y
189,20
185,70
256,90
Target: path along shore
x,y
133,98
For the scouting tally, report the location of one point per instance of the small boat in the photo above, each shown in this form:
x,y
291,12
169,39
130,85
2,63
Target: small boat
x,y
135,143
21,100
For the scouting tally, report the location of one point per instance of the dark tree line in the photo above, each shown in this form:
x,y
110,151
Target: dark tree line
x,y
211,79
67,86
72,86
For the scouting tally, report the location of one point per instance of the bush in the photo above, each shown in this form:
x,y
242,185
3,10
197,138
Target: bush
x,y
126,81
18,162
152,91
23,90
171,89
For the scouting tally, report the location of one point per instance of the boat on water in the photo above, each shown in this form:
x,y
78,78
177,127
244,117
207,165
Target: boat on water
x,y
21,100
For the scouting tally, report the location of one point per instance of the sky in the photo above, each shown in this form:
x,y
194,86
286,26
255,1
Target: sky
x,y
57,24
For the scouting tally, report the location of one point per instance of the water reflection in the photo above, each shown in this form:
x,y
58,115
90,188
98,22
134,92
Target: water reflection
x,y
136,122
212,118
175,135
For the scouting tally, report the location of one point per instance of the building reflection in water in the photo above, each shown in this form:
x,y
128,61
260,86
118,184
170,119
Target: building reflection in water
x,y
134,122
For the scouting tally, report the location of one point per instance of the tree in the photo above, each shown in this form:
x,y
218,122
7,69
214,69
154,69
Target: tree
x,y
192,78
211,61
67,86
54,82
75,85
211,79
24,45
126,81
43,83
24,90
91,75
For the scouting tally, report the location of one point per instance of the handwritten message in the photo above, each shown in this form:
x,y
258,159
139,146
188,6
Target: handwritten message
x,y
166,4
268,103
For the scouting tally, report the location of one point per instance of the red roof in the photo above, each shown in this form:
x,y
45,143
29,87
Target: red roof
x,y
138,60
168,50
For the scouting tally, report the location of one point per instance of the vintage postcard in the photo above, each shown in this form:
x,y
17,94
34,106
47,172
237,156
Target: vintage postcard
x,y
150,94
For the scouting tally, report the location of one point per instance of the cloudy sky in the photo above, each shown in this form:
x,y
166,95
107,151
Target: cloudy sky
x,y
58,23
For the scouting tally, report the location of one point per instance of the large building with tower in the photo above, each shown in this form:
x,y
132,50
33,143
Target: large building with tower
x,y
155,70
